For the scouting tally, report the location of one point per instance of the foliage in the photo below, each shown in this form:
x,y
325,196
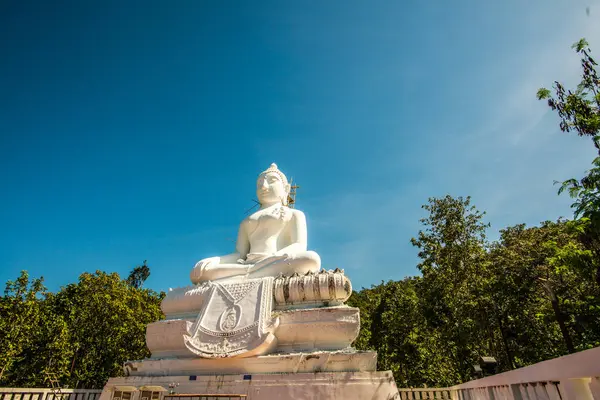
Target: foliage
x,y
549,273
532,295
579,110
20,312
586,191
392,323
83,334
525,298
452,247
138,275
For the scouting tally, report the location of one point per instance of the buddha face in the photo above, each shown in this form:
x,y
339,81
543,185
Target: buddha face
x,y
270,189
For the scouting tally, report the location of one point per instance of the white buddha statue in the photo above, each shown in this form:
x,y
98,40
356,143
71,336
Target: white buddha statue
x,y
270,242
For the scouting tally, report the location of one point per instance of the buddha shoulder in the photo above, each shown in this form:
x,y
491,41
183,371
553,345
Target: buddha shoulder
x,y
297,215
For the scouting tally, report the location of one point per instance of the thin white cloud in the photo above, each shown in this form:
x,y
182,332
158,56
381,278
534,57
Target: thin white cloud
x,y
508,163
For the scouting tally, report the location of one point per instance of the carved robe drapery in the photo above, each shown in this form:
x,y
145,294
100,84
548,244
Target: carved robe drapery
x,y
235,320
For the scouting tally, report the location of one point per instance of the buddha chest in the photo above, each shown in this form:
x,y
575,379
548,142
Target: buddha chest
x,y
269,221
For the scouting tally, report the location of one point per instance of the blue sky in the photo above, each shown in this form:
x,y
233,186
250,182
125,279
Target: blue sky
x,y
135,130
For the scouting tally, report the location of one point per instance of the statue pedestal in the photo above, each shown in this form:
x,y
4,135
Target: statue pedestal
x,y
282,315
302,330
320,361
321,385
267,338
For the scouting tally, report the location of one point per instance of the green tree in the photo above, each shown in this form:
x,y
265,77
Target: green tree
x,y
138,275
20,313
83,334
543,291
407,345
49,350
366,301
579,111
107,319
452,248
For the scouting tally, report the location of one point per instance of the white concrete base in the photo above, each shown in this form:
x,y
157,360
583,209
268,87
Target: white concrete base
x,y
322,361
312,329
299,330
322,386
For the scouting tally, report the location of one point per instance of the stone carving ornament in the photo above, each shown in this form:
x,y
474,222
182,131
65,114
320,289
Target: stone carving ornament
x,y
235,319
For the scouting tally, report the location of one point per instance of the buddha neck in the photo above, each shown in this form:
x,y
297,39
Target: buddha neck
x,y
268,204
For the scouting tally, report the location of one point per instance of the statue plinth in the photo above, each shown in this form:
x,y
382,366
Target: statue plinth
x,y
292,386
303,353
295,314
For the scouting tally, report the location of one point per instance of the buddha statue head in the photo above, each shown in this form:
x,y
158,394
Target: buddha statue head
x,y
272,187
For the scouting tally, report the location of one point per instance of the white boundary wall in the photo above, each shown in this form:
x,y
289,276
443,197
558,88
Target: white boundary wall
x,y
49,394
571,377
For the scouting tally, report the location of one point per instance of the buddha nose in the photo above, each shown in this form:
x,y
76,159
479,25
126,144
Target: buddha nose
x,y
265,184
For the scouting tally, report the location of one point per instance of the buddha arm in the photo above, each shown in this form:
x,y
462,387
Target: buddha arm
x,y
242,247
297,235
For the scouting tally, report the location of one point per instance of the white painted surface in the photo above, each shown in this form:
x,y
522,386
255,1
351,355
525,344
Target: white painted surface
x,y
49,391
579,365
344,385
363,361
48,394
266,297
326,328
271,241
236,320
312,290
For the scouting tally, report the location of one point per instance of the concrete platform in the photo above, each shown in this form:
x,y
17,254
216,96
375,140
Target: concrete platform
x,y
322,386
320,361
298,330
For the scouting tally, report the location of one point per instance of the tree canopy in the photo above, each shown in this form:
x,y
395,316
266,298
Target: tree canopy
x,y
83,333
579,111
525,298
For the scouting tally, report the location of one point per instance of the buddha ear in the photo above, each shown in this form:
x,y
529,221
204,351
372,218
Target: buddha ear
x,y
285,199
